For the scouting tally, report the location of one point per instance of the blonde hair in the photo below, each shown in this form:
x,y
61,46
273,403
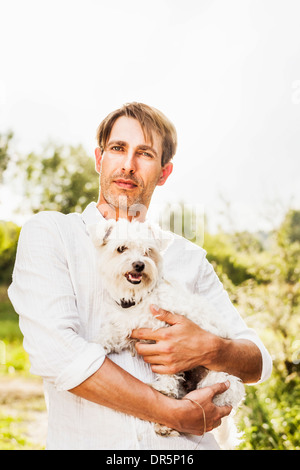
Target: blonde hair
x,y
150,119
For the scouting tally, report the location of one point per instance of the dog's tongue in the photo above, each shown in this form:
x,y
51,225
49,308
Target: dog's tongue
x,y
134,277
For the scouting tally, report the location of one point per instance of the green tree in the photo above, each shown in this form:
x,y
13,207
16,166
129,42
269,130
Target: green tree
x,y
63,179
5,140
289,231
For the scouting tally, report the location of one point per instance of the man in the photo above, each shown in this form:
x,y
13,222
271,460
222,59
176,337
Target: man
x,y
99,402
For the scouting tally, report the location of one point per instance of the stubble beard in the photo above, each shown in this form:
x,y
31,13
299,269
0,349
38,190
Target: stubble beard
x,y
121,199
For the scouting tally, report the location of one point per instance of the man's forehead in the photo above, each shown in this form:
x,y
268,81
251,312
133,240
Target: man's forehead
x,y
129,130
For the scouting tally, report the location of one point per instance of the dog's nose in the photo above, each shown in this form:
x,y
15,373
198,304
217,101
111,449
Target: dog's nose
x,y
138,266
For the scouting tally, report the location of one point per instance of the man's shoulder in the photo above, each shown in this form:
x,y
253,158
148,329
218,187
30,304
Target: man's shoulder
x,y
181,245
51,220
184,261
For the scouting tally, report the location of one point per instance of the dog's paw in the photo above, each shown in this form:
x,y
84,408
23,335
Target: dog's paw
x,y
233,396
162,430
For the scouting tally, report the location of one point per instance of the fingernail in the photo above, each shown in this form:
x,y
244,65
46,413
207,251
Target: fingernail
x,y
227,383
155,307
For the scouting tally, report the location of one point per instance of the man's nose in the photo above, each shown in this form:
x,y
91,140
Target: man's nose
x,y
129,164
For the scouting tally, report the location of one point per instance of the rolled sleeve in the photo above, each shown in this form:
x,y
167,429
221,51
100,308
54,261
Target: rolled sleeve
x,y
211,287
43,295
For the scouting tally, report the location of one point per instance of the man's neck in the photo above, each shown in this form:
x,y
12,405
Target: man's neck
x,y
109,211
121,210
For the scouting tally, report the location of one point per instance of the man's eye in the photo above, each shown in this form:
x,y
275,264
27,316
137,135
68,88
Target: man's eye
x,y
117,148
147,154
121,249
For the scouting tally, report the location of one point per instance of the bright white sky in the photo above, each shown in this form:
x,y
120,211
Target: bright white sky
x,y
227,73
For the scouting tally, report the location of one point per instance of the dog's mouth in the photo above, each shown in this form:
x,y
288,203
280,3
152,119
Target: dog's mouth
x,y
134,277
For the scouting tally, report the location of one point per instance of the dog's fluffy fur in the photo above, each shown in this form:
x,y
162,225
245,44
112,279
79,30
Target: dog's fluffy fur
x,y
129,256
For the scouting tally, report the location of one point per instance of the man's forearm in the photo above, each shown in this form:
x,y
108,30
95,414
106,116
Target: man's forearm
x,y
113,387
240,357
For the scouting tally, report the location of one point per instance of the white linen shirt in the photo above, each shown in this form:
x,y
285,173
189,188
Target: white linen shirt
x,y
58,294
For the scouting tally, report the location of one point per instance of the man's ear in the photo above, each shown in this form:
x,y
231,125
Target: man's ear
x,y
165,173
98,157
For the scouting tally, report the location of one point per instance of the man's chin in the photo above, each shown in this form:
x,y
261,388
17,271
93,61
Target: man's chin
x,y
124,201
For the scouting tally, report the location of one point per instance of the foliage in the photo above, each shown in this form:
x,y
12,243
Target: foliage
x,y
63,179
16,359
10,438
269,301
5,140
270,417
222,252
9,234
17,423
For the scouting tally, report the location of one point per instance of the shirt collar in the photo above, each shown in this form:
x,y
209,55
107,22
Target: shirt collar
x,y
91,214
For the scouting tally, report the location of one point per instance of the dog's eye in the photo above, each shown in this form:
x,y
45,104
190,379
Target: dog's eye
x,y
148,252
122,248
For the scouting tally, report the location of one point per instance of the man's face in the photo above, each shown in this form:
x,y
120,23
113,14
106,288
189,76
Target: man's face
x,y
130,167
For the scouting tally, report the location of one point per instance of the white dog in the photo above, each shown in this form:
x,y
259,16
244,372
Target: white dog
x,y
130,261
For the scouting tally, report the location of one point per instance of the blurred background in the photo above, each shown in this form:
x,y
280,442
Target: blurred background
x,y
227,74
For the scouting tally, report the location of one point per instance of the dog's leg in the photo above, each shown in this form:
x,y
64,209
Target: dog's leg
x,y
227,434
168,385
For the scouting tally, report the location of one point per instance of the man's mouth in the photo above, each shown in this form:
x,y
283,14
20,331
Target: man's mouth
x,y
133,277
125,184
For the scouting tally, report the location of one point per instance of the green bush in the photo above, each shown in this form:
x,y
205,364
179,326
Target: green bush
x,y
9,234
270,417
222,252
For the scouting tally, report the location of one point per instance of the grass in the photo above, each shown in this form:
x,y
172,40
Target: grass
x,y
19,416
17,422
11,433
13,358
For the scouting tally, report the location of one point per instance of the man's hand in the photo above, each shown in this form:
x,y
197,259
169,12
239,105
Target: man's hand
x,y
180,347
193,420
184,345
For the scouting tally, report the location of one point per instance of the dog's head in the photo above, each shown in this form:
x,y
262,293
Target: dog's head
x,y
129,257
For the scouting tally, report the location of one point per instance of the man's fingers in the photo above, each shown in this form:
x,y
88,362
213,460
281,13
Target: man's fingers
x,y
224,410
144,333
146,349
164,315
160,333
156,335
220,387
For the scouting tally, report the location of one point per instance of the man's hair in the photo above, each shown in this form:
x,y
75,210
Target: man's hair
x,y
150,119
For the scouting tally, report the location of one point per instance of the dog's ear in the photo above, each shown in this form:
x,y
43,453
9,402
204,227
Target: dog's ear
x,y
166,238
100,232
162,237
